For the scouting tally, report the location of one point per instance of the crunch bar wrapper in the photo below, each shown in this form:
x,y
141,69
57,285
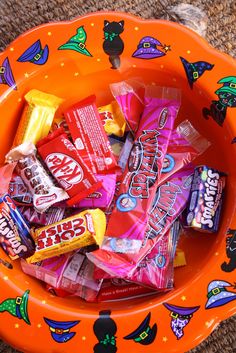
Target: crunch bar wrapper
x,y
89,136
33,174
170,200
78,231
185,145
67,167
142,173
37,117
130,102
112,119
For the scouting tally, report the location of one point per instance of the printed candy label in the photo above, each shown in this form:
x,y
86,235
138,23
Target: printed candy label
x,y
66,170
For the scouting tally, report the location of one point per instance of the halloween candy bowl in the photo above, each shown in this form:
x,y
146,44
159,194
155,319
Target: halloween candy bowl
x,y
74,60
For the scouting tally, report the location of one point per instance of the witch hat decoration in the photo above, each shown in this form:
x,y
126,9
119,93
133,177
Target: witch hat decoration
x,y
17,307
105,329
147,49
60,330
180,317
35,54
77,42
144,334
218,294
195,70
6,75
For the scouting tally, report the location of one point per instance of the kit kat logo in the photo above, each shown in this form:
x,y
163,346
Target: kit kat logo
x,y
65,169
143,164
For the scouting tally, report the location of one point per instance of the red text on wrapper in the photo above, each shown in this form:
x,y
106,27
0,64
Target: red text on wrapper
x,y
142,163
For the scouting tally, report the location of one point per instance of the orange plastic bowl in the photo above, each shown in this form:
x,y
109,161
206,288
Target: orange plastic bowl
x,y
204,292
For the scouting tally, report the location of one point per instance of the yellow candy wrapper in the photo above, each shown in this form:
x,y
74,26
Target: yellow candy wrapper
x,y
112,119
179,259
37,117
72,233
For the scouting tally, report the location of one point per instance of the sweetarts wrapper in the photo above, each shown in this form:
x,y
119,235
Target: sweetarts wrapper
x,y
170,200
66,165
156,270
78,231
89,136
205,202
184,146
142,173
35,177
103,197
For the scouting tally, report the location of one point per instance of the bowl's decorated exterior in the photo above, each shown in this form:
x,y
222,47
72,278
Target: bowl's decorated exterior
x,y
73,60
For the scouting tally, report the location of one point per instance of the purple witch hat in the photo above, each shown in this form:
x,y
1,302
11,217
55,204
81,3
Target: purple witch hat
x,y
6,75
195,70
218,294
35,54
147,49
180,317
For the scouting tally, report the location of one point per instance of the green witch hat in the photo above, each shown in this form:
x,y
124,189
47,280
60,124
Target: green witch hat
x,y
17,307
77,42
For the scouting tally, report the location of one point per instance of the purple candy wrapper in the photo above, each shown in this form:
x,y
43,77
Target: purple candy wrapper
x,y
52,215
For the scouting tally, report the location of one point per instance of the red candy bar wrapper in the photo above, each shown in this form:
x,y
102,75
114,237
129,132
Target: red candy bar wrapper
x,y
36,179
52,215
185,145
118,289
170,200
156,270
67,167
89,136
142,173
130,102
19,192
103,197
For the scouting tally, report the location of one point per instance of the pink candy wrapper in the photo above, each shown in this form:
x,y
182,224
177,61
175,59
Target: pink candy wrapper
x,y
142,173
170,200
52,215
156,270
103,197
185,145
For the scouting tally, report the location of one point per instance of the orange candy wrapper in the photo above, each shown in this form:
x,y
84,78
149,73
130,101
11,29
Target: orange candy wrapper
x,y
112,118
72,233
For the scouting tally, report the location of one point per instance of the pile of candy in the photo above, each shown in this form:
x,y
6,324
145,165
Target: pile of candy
x,y
90,201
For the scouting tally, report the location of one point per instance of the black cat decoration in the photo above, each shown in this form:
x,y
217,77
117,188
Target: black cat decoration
x,y
113,45
105,329
230,251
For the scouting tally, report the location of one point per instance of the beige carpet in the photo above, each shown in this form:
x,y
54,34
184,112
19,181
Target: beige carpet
x,y
16,16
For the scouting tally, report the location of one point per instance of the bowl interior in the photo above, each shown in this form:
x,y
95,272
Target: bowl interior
x,y
199,248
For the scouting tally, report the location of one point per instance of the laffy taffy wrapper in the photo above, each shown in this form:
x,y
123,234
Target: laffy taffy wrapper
x,y
68,168
112,119
169,202
72,233
185,145
37,117
35,177
143,170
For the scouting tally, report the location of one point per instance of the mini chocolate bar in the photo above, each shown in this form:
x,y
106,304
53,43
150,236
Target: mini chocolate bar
x,y
205,202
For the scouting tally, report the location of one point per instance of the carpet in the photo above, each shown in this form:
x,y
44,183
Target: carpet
x,y
16,16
